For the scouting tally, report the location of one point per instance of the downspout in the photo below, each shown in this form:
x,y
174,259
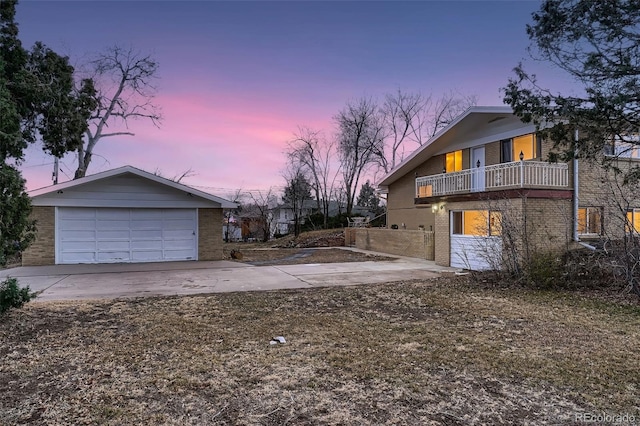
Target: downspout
x,y
576,193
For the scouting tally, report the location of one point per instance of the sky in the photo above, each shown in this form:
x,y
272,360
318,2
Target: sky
x,y
236,79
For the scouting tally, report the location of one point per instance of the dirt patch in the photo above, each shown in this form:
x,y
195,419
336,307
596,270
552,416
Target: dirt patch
x,y
296,256
429,353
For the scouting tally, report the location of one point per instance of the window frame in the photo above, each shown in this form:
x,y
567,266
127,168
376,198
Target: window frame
x,y
621,148
457,220
457,161
587,224
507,148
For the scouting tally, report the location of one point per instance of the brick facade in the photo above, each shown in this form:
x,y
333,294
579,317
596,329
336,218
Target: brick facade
x,y
210,234
43,250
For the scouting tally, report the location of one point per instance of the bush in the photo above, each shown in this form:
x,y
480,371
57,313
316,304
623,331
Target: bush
x,y
545,270
12,296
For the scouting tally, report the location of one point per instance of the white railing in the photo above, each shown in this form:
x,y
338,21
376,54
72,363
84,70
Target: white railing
x,y
517,174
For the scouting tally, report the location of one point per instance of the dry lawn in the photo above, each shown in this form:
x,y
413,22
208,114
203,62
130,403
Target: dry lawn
x,y
437,352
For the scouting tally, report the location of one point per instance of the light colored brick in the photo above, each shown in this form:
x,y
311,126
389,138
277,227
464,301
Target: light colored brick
x,y
42,250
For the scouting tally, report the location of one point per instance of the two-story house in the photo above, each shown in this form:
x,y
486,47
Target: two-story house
x,y
487,169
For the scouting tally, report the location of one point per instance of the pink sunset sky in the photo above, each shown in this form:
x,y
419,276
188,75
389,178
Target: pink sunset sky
x,y
236,79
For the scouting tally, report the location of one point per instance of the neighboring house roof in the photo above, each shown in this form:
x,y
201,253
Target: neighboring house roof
x,y
48,195
476,126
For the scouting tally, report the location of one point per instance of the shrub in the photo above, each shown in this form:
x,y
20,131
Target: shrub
x,y
545,270
12,296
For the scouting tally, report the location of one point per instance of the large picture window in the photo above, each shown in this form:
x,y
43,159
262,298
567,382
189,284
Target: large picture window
x,y
476,222
529,145
590,221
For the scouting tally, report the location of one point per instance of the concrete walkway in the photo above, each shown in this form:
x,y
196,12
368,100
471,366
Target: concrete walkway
x,y
73,282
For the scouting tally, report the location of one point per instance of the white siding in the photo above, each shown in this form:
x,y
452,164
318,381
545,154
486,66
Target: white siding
x,y
476,253
128,191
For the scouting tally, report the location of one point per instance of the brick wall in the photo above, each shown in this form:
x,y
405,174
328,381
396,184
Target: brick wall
x,y
210,234
395,241
43,250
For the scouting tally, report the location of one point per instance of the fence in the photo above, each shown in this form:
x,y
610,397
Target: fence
x,y
420,244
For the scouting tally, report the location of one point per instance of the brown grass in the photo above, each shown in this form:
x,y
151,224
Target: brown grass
x,y
441,352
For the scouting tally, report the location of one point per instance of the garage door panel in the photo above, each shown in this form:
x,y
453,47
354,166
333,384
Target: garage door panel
x,y
113,256
113,234
178,254
178,214
73,235
147,255
179,244
78,257
80,213
113,214
113,224
108,245
148,234
177,234
79,246
90,235
146,245
147,214
77,224
144,225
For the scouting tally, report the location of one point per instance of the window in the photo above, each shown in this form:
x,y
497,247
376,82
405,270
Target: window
x,y
453,161
476,222
633,221
528,144
623,148
590,220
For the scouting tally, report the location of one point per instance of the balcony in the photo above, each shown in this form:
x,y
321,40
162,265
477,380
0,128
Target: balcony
x,y
517,174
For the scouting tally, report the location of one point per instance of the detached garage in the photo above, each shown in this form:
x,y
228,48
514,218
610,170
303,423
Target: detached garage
x,y
125,215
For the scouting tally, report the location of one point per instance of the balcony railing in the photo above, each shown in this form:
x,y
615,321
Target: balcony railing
x,y
517,174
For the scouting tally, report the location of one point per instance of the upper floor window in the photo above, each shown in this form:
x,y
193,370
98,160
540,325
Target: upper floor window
x,y
453,161
628,147
590,221
529,145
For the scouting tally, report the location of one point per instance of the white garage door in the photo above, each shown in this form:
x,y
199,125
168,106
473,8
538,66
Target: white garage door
x,y
103,235
475,240
475,253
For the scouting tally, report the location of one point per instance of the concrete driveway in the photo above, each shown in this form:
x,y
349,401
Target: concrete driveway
x,y
73,282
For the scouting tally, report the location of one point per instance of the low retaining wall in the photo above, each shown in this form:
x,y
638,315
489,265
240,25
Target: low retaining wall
x,y
400,242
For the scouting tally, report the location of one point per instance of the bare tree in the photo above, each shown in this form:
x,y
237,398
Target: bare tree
x,y
402,115
439,113
360,142
177,178
125,91
414,118
237,197
264,202
297,191
315,154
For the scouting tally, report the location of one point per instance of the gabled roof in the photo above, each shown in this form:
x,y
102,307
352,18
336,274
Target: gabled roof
x,y
476,126
225,204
